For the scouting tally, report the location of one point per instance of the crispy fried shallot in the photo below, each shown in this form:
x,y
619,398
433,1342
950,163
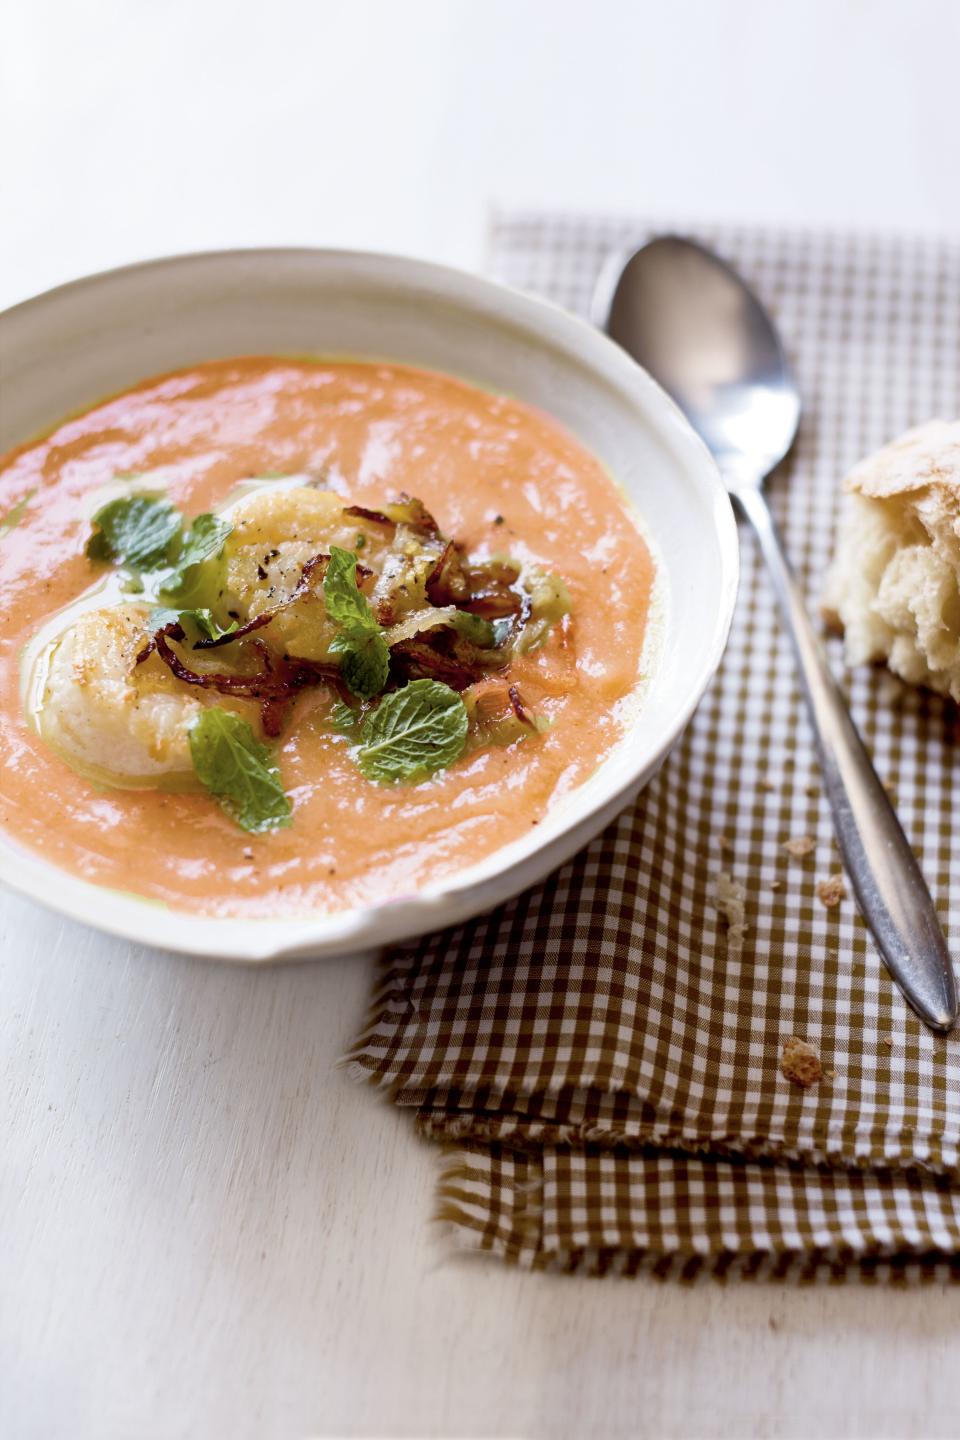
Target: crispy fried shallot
x,y
405,510
279,681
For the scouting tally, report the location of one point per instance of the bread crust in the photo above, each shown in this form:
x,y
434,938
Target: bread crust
x,y
928,455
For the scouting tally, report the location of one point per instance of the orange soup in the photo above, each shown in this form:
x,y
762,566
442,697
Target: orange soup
x,y
507,494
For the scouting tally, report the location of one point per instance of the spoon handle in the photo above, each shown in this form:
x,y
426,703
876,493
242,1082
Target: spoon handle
x,y
890,890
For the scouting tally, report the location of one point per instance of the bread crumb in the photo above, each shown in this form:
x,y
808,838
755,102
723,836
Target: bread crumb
x,y
800,1063
888,1040
890,691
729,899
723,842
801,845
831,891
774,884
767,785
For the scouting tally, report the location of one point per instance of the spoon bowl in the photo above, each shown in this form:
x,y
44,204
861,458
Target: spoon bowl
x,y
685,316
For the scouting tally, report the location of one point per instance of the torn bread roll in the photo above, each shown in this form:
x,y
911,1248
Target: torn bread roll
x,y
894,586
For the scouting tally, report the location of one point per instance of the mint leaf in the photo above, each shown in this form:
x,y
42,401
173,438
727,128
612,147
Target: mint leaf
x,y
205,537
145,533
201,621
365,662
192,580
238,770
474,628
343,718
366,657
413,733
346,604
160,616
136,530
15,514
204,621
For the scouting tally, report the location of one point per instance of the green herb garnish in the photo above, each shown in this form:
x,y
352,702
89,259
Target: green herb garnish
x,y
144,533
413,733
15,514
202,542
474,628
343,718
201,621
365,660
346,604
364,664
137,531
238,770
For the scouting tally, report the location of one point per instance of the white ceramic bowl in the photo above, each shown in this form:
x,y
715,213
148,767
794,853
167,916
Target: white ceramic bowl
x,y
65,350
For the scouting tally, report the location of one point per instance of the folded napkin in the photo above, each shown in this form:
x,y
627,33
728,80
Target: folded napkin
x,y
602,1055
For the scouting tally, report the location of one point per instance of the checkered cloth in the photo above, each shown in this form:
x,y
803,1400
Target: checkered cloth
x,y
602,1064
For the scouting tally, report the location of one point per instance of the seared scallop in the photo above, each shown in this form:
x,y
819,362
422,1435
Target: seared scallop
x,y
111,718
275,534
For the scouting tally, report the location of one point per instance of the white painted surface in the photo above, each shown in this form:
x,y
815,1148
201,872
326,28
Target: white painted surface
x,y
203,1229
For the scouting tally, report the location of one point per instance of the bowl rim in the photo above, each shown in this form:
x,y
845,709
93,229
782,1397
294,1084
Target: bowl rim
x,y
463,893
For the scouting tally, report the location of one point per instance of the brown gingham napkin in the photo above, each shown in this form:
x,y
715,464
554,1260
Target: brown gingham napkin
x,y
600,1057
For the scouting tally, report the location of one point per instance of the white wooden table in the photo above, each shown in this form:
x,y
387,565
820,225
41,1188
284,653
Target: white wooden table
x,y
204,1228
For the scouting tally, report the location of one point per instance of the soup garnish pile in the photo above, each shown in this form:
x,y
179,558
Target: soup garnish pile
x,y
261,603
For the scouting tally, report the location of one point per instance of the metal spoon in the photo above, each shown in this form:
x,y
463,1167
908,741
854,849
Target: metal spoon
x,y
693,324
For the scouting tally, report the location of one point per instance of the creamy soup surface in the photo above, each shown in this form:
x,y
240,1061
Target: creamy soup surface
x,y
498,476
